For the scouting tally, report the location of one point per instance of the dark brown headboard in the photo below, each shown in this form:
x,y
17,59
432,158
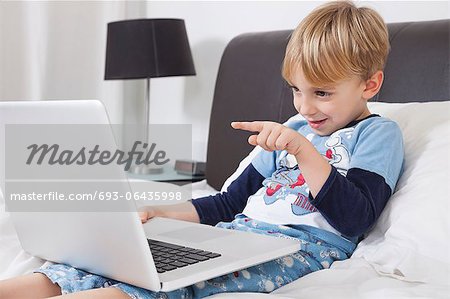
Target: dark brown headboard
x,y
249,85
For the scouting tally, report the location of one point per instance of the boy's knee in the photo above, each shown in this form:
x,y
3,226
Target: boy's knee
x,y
46,285
35,285
103,293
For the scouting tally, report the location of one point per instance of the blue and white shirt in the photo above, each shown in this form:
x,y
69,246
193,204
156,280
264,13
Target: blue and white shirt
x,y
366,158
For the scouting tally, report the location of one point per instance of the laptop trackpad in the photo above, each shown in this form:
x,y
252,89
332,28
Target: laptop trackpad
x,y
195,234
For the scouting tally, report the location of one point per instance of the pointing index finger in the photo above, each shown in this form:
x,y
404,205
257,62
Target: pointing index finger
x,y
252,126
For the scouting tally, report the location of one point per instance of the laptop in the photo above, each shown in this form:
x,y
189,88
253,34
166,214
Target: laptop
x,y
161,255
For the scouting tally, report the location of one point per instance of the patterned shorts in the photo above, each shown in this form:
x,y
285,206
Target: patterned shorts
x,y
319,249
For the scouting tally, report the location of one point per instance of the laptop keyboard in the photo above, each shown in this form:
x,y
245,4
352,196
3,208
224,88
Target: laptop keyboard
x,y
169,257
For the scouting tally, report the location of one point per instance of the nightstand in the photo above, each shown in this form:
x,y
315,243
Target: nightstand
x,y
169,175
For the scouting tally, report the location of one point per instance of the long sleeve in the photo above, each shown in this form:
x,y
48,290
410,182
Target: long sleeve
x,y
224,206
352,204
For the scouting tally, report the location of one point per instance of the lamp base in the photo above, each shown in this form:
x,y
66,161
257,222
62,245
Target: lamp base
x,y
146,169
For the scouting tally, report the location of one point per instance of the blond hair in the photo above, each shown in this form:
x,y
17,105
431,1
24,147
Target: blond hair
x,y
337,41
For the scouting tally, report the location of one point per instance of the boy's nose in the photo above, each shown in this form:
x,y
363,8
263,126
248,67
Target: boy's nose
x,y
307,108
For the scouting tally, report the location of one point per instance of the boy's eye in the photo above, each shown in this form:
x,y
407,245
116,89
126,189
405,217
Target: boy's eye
x,y
322,93
294,89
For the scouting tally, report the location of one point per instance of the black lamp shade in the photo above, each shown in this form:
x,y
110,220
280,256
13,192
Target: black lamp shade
x,y
147,48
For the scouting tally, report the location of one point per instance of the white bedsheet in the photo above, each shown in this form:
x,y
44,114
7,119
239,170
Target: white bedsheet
x,y
353,278
350,279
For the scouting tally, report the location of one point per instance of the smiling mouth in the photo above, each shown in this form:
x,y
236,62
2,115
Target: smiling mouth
x,y
316,124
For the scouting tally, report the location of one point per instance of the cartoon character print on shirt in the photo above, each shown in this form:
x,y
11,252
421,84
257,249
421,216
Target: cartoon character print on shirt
x,y
288,184
336,152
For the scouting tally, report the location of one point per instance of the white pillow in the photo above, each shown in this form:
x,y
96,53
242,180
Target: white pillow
x,y
411,239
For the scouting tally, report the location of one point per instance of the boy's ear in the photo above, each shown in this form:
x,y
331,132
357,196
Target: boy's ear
x,y
373,85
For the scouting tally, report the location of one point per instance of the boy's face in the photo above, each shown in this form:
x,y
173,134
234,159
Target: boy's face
x,y
328,109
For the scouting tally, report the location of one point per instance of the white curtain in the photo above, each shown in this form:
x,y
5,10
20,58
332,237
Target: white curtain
x,y
56,50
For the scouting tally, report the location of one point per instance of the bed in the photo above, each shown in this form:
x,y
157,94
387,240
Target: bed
x,y
405,254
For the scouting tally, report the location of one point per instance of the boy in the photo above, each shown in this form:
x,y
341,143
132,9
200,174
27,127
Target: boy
x,y
323,180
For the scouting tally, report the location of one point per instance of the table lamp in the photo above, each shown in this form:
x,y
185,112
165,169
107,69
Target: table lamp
x,y
144,49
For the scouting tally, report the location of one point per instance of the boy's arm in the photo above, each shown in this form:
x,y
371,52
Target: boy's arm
x,y
215,208
273,136
314,167
224,206
182,211
350,204
353,203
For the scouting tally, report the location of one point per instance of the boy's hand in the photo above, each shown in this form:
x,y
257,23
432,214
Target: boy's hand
x,y
182,211
146,214
272,136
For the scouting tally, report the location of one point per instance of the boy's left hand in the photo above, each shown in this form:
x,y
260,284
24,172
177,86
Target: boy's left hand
x,y
272,136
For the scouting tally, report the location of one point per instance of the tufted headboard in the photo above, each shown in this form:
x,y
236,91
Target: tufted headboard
x,y
249,85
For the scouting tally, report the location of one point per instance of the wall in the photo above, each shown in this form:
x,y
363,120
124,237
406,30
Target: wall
x,y
55,50
211,25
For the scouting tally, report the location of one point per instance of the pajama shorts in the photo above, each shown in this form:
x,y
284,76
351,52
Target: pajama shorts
x,y
318,250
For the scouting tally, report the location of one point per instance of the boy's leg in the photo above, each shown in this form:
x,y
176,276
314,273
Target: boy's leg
x,y
34,285
263,278
315,254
